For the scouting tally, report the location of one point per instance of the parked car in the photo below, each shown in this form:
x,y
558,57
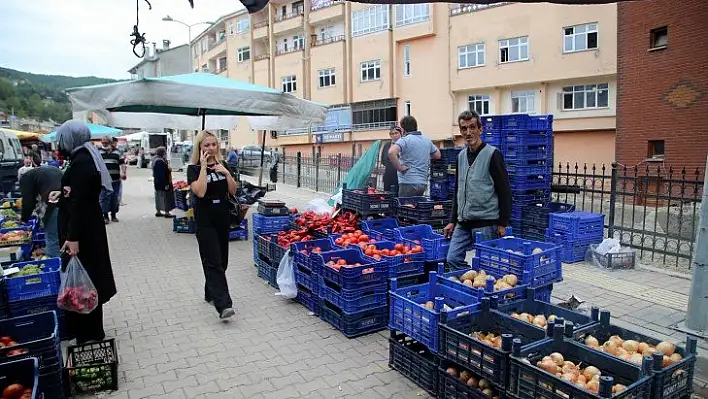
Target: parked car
x,y
250,156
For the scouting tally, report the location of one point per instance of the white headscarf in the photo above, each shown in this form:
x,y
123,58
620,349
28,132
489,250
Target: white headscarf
x,y
75,135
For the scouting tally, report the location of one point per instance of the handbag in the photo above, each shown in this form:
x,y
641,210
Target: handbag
x,y
234,206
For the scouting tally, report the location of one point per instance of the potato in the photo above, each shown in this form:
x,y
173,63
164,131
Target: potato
x,y
469,275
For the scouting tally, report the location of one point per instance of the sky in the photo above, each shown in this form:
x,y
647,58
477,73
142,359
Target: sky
x,y
92,37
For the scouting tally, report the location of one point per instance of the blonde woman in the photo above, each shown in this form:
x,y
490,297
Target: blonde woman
x,y
211,183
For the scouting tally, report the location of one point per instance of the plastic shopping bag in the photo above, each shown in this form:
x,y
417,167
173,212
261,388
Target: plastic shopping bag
x,y
286,277
76,292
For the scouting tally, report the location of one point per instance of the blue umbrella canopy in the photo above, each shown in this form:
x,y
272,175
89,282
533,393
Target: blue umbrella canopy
x,y
97,132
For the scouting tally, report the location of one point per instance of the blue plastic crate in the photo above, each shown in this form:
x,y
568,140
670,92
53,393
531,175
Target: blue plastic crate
x,y
24,372
380,229
308,299
238,233
353,301
303,258
575,250
435,246
532,170
183,225
439,189
510,255
42,305
306,278
37,334
527,138
458,344
269,224
24,242
413,263
510,294
537,214
448,156
409,314
268,273
520,180
369,273
424,208
531,154
414,361
354,324
35,286
577,224
255,249
526,196
525,122
181,199
526,381
265,246
365,204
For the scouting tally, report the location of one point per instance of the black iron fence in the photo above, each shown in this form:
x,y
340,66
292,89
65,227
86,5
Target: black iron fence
x,y
652,209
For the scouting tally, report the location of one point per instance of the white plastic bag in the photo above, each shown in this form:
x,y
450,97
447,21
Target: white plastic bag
x,y
319,206
286,277
76,292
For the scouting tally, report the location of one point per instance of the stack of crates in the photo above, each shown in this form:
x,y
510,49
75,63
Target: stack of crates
x,y
352,298
535,218
442,174
239,231
307,279
263,227
575,231
423,210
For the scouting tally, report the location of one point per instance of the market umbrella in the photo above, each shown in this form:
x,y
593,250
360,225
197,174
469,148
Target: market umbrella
x,y
97,132
196,95
22,135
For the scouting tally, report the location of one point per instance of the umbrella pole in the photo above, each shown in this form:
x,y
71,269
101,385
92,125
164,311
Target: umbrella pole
x,y
203,121
260,175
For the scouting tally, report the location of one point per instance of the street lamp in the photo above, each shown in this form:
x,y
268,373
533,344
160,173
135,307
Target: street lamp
x,y
167,18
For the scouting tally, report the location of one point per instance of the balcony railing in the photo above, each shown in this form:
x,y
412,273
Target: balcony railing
x,y
470,8
287,51
212,45
318,5
328,40
221,69
327,128
281,17
260,24
260,57
361,127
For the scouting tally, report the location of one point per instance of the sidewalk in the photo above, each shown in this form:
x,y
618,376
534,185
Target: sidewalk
x,y
643,300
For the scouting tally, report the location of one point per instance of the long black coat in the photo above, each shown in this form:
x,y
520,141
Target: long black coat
x,y
81,219
390,177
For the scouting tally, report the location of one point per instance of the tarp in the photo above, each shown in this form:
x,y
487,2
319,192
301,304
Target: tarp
x,y
97,132
358,176
22,135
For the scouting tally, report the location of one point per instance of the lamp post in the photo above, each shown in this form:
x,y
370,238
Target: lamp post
x,y
167,18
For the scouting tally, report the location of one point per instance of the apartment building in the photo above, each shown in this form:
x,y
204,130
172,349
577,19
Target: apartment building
x,y
375,63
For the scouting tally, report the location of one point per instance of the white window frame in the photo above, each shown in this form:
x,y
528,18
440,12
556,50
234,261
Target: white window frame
x,y
595,92
243,25
570,39
231,29
298,42
407,60
476,51
409,14
371,20
525,101
511,44
243,54
407,110
289,83
326,78
478,102
373,66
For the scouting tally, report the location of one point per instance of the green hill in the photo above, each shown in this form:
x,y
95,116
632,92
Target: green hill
x,y
40,97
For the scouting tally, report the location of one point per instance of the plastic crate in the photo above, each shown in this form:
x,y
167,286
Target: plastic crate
x,y
435,246
380,229
367,204
672,382
92,367
35,286
4,309
265,246
263,224
353,301
181,200
184,225
526,381
308,299
438,170
528,154
532,196
575,250
268,273
614,261
324,244
510,294
448,156
37,334
409,314
537,213
439,189
577,224
452,387
306,278
24,372
369,273
41,305
239,233
425,209
407,281
457,344
523,180
414,361
354,324
407,264
536,307
509,255
517,121
22,242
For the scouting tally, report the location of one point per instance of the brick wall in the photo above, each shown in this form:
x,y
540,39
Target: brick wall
x,y
663,94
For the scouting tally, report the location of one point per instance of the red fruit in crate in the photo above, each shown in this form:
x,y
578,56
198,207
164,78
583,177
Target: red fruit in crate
x,y
5,340
13,391
293,211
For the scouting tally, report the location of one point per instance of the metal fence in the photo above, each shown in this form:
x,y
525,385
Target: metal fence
x,y
652,209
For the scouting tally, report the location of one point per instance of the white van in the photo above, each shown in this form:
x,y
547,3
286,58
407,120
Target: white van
x,y
11,157
150,142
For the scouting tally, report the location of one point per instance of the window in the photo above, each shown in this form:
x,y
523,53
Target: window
x,y
299,7
579,38
374,114
325,33
512,50
407,60
298,42
231,30
327,77
407,108
283,11
479,104
523,102
370,70
285,44
407,14
655,149
370,20
470,56
659,38
205,45
243,54
289,84
242,25
586,97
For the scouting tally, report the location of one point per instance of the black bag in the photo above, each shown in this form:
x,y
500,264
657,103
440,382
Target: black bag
x,y
234,205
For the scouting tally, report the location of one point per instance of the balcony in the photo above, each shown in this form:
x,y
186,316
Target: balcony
x,y
364,127
288,51
288,22
260,29
328,40
215,43
261,57
326,10
470,8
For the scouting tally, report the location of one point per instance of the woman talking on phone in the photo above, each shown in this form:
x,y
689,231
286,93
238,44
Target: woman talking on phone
x,y
212,183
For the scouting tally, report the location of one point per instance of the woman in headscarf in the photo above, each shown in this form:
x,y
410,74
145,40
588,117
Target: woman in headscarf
x,y
390,177
82,231
162,180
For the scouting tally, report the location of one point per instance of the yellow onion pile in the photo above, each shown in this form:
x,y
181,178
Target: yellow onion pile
x,y
477,279
475,382
634,351
491,339
539,320
587,378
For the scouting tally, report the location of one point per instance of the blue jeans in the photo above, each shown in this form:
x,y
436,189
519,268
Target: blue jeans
x,y
462,241
110,202
51,234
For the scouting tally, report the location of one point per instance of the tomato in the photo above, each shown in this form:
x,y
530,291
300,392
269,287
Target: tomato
x,y
339,241
358,232
363,238
368,252
417,249
377,257
341,262
385,252
398,247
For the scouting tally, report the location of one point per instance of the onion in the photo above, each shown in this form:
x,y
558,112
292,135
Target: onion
x,y
636,358
643,346
514,315
552,318
667,361
593,386
675,358
618,388
579,384
487,392
582,379
557,358
568,377
617,339
648,351
473,382
511,279
590,340
666,347
452,371
610,347
484,384
465,376
526,317
590,372
630,345
549,366
540,320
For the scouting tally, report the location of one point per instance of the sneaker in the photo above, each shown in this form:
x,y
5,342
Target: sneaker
x,y
106,220
159,215
169,215
227,313
114,219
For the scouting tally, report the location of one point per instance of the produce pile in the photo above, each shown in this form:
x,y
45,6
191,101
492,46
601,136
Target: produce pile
x,y
12,204
14,237
479,279
180,185
582,376
17,391
344,222
469,379
634,351
30,270
9,213
77,299
538,320
87,379
357,238
11,224
372,251
8,342
340,263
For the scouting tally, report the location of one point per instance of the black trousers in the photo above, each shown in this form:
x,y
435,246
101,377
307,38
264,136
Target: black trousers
x,y
213,242
86,327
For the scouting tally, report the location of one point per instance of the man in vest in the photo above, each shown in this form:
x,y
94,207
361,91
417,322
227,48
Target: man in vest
x,y
482,200
115,163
